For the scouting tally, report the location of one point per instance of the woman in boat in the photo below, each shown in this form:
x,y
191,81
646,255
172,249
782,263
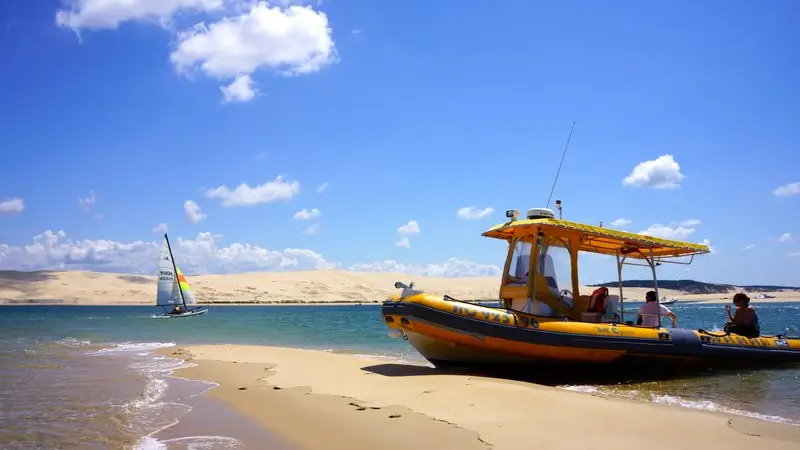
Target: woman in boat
x,y
648,313
744,320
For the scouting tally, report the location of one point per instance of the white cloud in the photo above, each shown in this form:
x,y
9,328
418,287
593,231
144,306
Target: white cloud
x,y
674,230
787,190
294,40
403,242
355,32
621,223
322,187
162,227
661,173
86,203
305,214
203,254
12,206
473,213
707,243
785,237
240,90
313,230
748,247
453,267
244,195
108,14
412,227
193,211
793,254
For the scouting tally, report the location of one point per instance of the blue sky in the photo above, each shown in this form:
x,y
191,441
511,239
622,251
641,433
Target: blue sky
x,y
406,111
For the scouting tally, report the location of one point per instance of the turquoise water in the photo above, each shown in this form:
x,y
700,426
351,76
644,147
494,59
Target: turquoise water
x,y
86,373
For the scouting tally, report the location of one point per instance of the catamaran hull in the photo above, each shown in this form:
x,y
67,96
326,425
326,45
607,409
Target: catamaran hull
x,y
194,312
452,333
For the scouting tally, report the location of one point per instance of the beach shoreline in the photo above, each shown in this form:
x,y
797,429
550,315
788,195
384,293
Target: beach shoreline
x,y
359,402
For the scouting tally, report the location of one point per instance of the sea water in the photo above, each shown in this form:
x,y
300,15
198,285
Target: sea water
x,y
87,377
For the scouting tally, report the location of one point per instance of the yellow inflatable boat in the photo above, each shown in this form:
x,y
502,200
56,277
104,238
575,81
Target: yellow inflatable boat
x,y
539,322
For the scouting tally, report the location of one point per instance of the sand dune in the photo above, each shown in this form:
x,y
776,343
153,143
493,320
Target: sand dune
x,y
360,403
324,286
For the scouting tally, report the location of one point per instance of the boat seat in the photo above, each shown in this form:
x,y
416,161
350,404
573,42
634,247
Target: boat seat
x,y
591,317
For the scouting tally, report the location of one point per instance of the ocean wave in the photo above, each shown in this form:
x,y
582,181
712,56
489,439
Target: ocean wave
x,y
127,347
673,400
73,342
190,442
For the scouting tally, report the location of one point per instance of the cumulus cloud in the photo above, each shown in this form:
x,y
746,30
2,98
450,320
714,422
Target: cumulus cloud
x,y
323,187
661,173
313,230
412,227
621,223
473,213
787,190
785,237
240,90
87,202
291,40
109,14
287,38
12,206
193,211
305,214
203,254
748,247
674,230
403,242
707,243
453,267
244,195
160,228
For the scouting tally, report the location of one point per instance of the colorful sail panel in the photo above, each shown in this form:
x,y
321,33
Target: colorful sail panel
x,y
167,291
188,296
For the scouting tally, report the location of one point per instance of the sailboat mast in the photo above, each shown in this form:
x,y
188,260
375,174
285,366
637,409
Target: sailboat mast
x,y
175,268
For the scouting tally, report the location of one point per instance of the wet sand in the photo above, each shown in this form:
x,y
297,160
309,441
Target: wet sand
x,y
319,400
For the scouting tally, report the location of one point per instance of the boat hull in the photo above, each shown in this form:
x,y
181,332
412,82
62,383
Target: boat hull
x,y
190,313
453,333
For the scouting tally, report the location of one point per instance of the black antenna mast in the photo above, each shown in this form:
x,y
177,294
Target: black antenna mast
x,y
563,154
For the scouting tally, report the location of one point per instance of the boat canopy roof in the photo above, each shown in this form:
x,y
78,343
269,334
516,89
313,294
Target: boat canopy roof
x,y
597,239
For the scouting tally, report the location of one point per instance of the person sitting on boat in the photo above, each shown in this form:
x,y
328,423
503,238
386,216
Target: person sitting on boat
x,y
177,310
648,313
744,320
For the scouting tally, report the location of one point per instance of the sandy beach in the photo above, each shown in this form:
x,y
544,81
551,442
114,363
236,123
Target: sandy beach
x,y
319,400
317,286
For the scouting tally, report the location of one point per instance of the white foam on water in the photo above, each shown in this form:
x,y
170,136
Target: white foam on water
x,y
672,400
707,405
124,347
72,342
148,443
155,400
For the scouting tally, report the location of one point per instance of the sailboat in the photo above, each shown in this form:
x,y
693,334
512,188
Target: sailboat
x,y
174,291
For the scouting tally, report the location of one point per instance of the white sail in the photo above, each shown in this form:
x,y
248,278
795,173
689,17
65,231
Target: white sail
x,y
168,290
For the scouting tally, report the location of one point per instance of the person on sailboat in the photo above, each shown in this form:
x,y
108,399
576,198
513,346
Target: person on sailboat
x,y
177,310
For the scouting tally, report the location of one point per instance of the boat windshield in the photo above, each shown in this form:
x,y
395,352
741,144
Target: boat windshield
x,y
520,263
